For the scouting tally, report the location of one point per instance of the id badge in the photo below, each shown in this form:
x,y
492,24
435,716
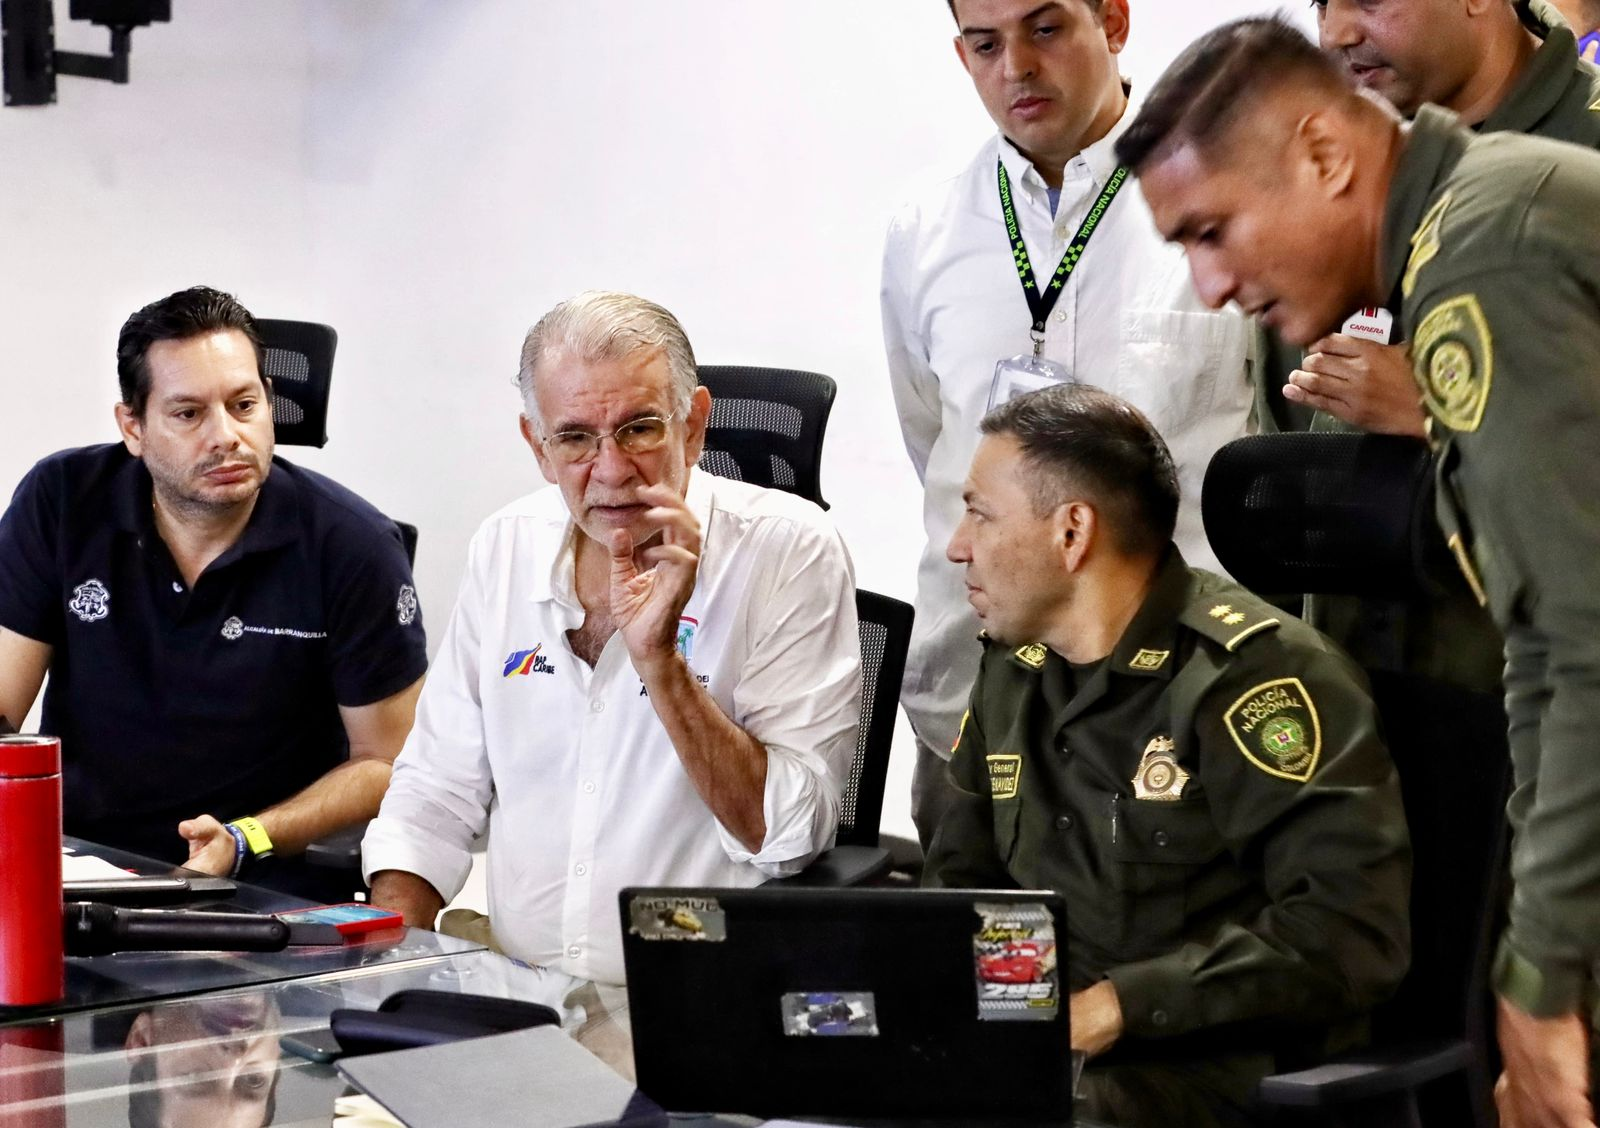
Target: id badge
x,y
1019,375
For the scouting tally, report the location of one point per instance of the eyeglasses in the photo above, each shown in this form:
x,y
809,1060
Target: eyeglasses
x,y
636,436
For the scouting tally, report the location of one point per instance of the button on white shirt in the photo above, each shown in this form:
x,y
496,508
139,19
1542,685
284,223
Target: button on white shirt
x,y
569,767
1128,321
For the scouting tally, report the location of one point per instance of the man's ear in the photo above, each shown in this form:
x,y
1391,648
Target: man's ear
x,y
1074,528
530,435
131,427
699,416
1323,150
1116,22
139,1034
961,53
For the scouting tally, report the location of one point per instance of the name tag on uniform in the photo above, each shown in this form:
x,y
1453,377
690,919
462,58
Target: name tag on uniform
x,y
1018,375
1374,324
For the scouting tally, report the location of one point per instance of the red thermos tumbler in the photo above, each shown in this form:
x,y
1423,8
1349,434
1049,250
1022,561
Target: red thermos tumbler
x,y
31,968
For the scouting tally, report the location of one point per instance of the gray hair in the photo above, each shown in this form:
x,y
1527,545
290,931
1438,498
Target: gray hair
x,y
608,325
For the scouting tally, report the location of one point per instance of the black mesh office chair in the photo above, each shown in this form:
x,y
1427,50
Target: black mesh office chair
x,y
885,629
299,361
885,636
1353,514
767,426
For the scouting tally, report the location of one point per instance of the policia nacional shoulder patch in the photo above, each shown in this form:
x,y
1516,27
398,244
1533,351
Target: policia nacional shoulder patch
x,y
1453,362
1275,725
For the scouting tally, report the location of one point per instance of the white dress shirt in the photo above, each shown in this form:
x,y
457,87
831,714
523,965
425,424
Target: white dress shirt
x,y
569,767
1128,321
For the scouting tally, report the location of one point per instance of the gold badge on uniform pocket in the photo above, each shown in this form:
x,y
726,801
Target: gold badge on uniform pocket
x,y
1159,777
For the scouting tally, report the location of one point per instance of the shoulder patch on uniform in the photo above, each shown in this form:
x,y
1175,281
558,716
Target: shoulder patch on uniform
x,y
1452,360
1275,725
1032,655
1005,774
961,730
1147,660
1424,244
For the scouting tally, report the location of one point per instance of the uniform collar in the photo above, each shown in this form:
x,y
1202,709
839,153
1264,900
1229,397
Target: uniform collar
x,y
274,522
1548,75
558,582
1432,146
1146,646
1100,158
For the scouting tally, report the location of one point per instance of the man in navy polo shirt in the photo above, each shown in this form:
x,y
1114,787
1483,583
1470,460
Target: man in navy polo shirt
x,y
234,644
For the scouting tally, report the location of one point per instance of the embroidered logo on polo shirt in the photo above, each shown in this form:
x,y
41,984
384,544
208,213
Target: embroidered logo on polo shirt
x,y
90,601
235,628
521,663
686,632
406,605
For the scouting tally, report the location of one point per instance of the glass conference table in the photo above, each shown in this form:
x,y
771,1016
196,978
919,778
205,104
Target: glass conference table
x,y
182,1039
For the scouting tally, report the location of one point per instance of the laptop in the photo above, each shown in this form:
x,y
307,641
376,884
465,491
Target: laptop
x,y
857,1003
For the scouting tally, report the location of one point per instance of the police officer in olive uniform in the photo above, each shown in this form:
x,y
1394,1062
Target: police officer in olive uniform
x,y
1494,244
1528,51
1501,276
1200,777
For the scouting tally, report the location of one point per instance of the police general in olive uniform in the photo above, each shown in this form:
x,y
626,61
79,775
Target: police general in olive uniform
x,y
1200,777
1494,244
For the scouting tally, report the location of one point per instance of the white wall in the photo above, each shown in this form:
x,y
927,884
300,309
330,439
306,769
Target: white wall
x,y
430,177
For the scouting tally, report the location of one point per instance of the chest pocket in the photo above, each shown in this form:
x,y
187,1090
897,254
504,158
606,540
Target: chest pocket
x,y
1006,816
1170,359
1158,849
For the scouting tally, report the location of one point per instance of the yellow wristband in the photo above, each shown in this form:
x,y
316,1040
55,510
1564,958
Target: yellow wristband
x,y
255,836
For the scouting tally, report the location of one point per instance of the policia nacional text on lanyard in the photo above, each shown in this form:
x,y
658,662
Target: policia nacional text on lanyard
x,y
1018,374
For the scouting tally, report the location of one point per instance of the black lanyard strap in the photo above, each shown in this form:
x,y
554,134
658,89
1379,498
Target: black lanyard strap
x,y
1040,305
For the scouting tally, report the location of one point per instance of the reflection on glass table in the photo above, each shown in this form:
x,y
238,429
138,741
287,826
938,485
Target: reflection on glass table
x,y
129,977
216,1059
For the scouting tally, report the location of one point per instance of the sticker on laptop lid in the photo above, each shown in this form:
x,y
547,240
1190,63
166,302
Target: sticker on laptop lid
x,y
677,918
1014,960
830,1014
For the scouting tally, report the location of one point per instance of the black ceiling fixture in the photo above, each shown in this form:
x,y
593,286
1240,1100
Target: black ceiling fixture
x,y
28,44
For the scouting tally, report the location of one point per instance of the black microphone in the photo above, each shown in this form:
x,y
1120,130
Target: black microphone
x,y
91,928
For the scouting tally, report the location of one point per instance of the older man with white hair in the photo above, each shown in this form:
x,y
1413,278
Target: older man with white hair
x,y
651,675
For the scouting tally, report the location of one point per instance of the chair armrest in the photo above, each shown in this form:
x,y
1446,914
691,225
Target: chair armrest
x,y
905,855
841,866
1366,1075
340,850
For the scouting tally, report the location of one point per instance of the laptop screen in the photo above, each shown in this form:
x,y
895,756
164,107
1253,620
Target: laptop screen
x,y
779,1001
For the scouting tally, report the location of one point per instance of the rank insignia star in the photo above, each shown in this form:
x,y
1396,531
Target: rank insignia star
x,y
1221,610
1234,619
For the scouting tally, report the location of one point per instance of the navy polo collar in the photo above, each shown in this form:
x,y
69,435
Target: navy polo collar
x,y
274,522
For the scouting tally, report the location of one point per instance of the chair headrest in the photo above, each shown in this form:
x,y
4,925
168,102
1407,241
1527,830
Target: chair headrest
x,y
1323,512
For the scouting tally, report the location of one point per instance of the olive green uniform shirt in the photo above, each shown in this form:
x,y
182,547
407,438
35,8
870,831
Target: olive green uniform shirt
x,y
1446,635
1213,801
1495,244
